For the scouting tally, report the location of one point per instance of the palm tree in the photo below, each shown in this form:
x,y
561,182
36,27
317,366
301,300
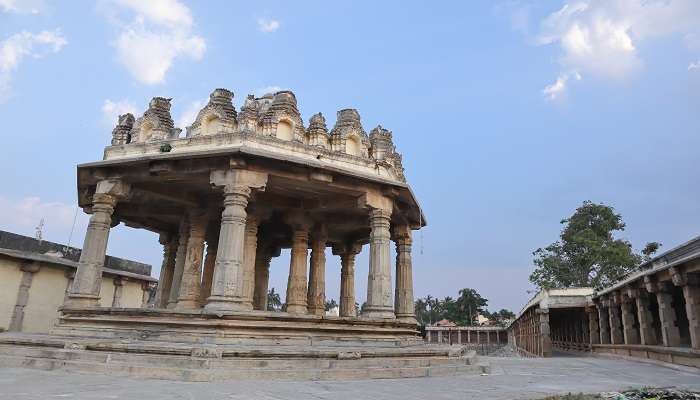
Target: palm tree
x,y
274,303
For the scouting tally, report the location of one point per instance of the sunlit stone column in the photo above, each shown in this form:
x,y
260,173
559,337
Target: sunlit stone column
x,y
629,330
316,295
347,255
379,304
118,291
228,287
296,284
190,285
545,338
167,269
250,245
403,301
180,254
691,294
670,334
88,277
25,284
603,322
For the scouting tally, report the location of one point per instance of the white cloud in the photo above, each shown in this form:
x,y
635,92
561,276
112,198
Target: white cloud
x,y
22,6
557,89
268,25
601,38
158,33
111,110
259,92
24,215
14,49
190,114
694,65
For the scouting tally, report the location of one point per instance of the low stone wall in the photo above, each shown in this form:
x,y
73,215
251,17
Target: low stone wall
x,y
483,340
674,355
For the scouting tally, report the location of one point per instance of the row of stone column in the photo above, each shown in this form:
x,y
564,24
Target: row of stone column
x,y
531,333
236,268
613,320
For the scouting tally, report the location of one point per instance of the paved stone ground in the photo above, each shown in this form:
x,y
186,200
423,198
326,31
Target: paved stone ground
x,y
511,378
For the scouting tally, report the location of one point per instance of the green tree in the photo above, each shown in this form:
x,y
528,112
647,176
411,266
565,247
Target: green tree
x,y
274,303
331,304
587,253
469,304
501,316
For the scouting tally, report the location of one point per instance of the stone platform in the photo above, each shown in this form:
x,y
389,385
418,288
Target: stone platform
x,y
198,345
211,362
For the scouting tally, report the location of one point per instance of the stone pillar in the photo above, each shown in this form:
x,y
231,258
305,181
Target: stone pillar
x,y
691,294
667,315
180,254
647,334
296,284
250,245
228,287
190,284
546,340
316,294
593,329
208,270
25,283
70,276
118,290
146,288
379,277
403,300
262,275
603,324
347,277
630,333
615,321
167,268
88,277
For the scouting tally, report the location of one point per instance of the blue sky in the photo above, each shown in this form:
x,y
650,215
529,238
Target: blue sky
x,y
508,114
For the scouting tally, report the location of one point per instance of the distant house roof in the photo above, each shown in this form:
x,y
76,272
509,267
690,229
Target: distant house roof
x,y
445,322
20,246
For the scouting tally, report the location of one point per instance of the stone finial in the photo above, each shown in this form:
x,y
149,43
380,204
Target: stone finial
x,y
318,131
348,128
156,124
381,142
121,134
248,118
218,116
282,106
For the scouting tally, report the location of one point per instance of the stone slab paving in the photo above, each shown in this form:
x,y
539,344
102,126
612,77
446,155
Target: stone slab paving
x,y
511,378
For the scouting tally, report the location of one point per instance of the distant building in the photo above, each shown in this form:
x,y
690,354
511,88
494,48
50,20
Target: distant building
x,y
445,322
35,276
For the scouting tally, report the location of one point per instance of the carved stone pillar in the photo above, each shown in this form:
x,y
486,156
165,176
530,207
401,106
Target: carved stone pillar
x,y
546,340
70,276
263,257
208,270
228,288
347,255
604,324
629,331
616,336
316,295
167,268
593,329
296,285
250,244
647,334
667,315
691,294
190,284
146,288
28,271
88,277
379,304
403,299
180,255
